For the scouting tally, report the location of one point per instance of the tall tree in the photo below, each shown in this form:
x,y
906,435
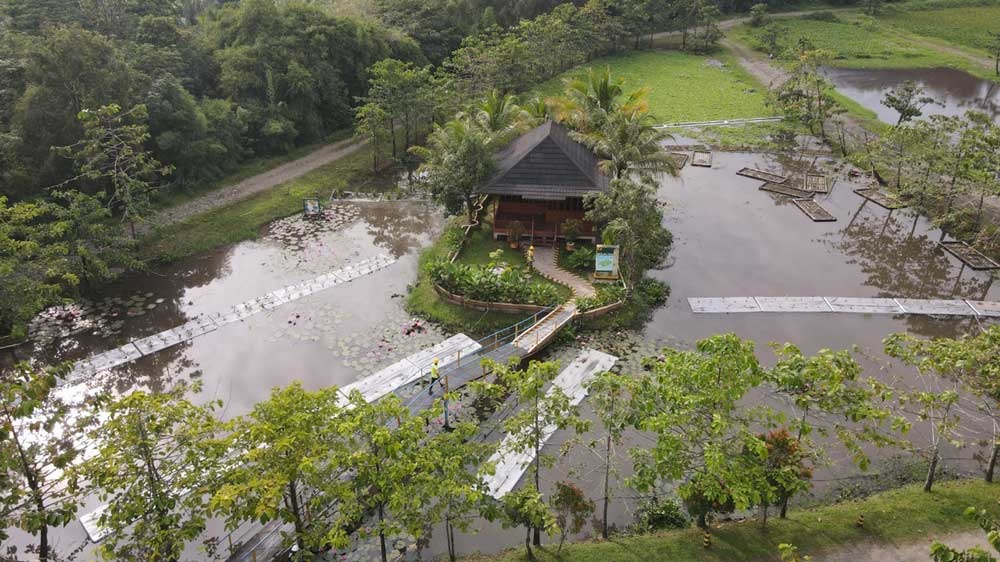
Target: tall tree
x,y
632,218
609,398
691,403
526,508
993,44
805,97
288,464
36,446
393,476
158,459
112,154
973,361
457,158
541,412
829,399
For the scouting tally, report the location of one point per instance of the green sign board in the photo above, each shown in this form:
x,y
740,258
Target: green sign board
x,y
606,262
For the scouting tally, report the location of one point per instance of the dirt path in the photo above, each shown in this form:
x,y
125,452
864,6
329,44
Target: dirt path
x,y
910,552
725,25
255,184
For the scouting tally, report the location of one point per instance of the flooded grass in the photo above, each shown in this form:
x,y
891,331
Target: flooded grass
x,y
244,219
684,87
906,514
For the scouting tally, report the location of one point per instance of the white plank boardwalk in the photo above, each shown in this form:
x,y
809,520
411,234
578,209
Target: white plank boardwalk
x,y
925,307
412,368
208,323
511,467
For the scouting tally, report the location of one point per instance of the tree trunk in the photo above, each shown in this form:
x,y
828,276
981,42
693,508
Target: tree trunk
x,y
537,535
763,515
702,521
607,478
293,499
931,470
392,134
993,461
527,544
450,538
381,533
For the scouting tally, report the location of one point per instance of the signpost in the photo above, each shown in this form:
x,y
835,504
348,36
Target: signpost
x,y
606,263
312,208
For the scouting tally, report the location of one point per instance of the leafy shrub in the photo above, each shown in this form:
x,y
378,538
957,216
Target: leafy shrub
x,y
483,283
653,293
658,514
758,15
606,294
582,259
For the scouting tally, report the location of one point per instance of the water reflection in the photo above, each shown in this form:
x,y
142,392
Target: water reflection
x,y
957,90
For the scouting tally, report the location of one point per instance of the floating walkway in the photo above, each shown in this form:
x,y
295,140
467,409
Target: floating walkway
x,y
701,158
720,122
969,255
756,174
211,322
411,369
814,210
785,190
881,198
851,305
572,381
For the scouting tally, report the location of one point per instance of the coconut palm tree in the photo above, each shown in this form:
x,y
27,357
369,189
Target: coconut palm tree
x,y
627,144
587,102
501,117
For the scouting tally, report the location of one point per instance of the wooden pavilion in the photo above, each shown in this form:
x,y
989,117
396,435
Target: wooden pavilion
x,y
541,180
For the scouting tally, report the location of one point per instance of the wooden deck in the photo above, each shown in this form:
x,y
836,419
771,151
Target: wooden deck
x,y
511,466
813,210
969,255
761,175
881,198
702,159
816,183
786,191
850,305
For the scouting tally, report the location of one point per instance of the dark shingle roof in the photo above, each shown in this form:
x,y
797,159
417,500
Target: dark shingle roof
x,y
545,163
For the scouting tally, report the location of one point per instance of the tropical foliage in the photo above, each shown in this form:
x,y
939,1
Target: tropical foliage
x,y
492,284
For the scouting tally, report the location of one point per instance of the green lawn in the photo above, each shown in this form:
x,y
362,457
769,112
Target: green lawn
x,y
683,87
967,27
859,42
906,514
243,220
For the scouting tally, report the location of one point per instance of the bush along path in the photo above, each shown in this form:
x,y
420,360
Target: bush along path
x,y
546,263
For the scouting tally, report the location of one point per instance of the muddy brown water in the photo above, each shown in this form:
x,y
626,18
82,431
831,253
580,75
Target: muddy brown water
x,y
955,90
730,240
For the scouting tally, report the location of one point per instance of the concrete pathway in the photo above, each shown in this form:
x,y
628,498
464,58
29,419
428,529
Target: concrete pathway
x,y
546,263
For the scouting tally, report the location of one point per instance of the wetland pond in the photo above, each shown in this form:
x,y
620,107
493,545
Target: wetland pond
x,y
956,90
730,239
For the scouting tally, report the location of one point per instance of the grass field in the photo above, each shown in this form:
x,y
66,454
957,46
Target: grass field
x,y
967,27
898,516
859,42
244,219
683,87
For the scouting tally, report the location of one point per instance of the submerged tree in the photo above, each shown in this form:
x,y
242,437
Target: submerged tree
x,y
908,100
805,97
36,446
